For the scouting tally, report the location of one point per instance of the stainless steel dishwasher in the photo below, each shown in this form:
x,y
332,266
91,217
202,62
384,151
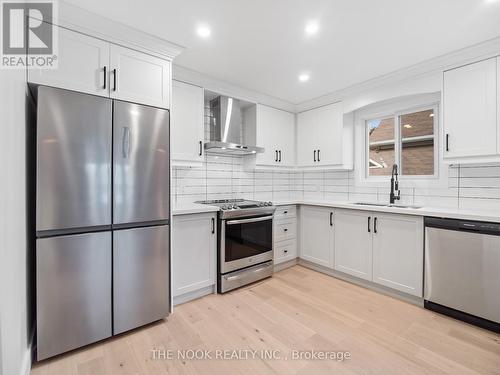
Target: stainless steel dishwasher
x,y
462,270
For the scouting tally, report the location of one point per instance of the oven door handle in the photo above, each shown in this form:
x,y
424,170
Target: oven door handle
x,y
252,220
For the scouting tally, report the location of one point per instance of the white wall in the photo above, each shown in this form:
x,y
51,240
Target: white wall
x,y
13,272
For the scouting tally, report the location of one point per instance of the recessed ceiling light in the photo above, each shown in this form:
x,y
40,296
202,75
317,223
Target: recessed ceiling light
x,y
304,77
312,28
203,31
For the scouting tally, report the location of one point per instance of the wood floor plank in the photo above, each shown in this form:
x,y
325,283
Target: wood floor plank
x,y
301,310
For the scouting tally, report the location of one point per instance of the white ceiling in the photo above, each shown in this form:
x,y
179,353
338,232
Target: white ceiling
x,y
260,44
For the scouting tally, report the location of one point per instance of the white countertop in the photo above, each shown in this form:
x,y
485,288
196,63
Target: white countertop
x,y
452,213
193,208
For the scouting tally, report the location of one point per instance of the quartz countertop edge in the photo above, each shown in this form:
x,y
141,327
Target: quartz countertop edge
x,y
450,213
193,208
441,212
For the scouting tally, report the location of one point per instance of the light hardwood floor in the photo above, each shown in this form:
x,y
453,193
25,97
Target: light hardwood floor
x,y
297,309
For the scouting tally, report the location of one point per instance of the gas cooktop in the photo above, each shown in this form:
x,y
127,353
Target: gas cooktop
x,y
240,207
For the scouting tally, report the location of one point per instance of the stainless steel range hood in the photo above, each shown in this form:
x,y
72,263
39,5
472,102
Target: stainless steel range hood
x,y
226,128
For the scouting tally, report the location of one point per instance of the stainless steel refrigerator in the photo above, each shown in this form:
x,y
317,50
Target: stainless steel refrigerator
x,y
102,218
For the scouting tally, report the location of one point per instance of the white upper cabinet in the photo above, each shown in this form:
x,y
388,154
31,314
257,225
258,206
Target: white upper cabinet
x,y
276,133
139,77
317,235
187,125
320,136
97,67
470,114
353,243
398,252
83,65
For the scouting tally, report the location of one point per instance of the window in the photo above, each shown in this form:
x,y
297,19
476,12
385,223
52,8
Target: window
x,y
406,139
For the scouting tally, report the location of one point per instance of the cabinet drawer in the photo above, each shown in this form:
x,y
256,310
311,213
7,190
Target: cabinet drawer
x,y
285,251
285,211
285,230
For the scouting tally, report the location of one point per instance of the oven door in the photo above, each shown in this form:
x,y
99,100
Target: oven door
x,y
245,242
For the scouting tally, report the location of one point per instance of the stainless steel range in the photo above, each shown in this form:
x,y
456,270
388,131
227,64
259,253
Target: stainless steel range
x,y
245,242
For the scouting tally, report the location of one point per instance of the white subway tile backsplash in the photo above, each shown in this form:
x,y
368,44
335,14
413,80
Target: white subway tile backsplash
x,y
221,177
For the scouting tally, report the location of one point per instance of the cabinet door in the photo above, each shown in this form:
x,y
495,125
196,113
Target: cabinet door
x,y
187,128
306,140
317,235
138,77
328,133
398,252
81,65
193,252
470,97
267,135
285,135
353,243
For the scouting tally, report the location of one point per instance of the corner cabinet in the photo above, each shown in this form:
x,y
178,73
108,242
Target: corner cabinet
x,y
187,125
320,132
317,235
94,66
275,131
194,243
470,99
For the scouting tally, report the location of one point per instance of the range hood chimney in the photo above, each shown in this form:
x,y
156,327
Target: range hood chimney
x,y
226,128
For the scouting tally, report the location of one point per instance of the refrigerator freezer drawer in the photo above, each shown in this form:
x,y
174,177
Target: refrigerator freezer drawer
x,y
73,275
73,186
140,276
141,166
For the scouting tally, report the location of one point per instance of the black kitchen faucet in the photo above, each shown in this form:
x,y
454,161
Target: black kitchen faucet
x,y
394,185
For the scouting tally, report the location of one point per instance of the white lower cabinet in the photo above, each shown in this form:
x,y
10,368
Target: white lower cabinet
x,y
194,243
285,234
317,235
353,243
398,248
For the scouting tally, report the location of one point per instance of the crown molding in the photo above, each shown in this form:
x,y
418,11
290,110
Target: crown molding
x,y
78,19
193,77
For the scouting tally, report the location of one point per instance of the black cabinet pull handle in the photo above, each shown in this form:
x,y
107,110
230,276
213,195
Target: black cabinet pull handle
x,y
447,142
201,148
280,156
314,155
105,77
285,230
285,212
318,155
369,224
331,219
213,225
276,159
114,79
285,251
375,225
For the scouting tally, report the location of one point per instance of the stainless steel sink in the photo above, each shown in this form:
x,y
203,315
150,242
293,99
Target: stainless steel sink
x,y
386,205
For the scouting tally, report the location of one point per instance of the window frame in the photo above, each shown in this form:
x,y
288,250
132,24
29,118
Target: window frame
x,y
396,115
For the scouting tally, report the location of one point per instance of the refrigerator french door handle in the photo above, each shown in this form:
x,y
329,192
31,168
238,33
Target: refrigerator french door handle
x,y
126,142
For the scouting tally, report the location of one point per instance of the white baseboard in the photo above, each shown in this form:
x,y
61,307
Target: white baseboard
x,y
363,283
186,297
281,266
